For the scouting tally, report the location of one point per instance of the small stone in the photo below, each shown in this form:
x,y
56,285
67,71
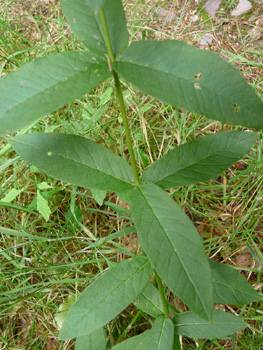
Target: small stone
x,y
206,39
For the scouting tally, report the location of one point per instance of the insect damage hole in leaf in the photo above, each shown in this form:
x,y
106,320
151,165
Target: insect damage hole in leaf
x,y
236,107
198,76
197,86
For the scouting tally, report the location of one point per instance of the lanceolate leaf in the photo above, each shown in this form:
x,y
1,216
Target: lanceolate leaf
x,y
132,343
149,301
187,77
223,324
44,85
230,287
85,22
93,341
106,297
173,246
76,160
199,160
160,337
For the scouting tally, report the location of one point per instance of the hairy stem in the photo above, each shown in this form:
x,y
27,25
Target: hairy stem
x,y
120,98
161,291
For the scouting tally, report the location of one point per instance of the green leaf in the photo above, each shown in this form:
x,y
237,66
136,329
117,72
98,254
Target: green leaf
x,y
76,160
149,301
95,5
85,22
44,85
42,206
132,343
173,246
199,160
11,195
44,186
107,297
63,310
223,324
160,337
230,287
196,80
99,196
93,341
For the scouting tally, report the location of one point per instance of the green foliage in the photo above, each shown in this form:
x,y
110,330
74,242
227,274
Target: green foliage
x,y
106,297
92,341
186,77
71,158
160,337
199,160
182,76
167,236
44,85
222,325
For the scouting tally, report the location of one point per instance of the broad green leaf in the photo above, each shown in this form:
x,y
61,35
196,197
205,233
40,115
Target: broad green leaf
x,y
223,324
99,196
84,20
196,80
95,5
160,337
230,287
173,246
107,297
93,341
76,160
132,343
44,85
199,160
42,206
149,301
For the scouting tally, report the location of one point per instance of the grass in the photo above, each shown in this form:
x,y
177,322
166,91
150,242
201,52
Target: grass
x,y
68,251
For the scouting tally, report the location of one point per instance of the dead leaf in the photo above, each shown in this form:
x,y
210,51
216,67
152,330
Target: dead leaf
x,y
212,7
242,7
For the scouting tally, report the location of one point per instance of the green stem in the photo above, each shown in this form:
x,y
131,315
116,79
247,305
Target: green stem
x,y
128,134
120,98
126,126
161,291
107,37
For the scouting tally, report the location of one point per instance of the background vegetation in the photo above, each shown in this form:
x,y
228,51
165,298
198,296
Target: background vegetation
x,y
54,237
